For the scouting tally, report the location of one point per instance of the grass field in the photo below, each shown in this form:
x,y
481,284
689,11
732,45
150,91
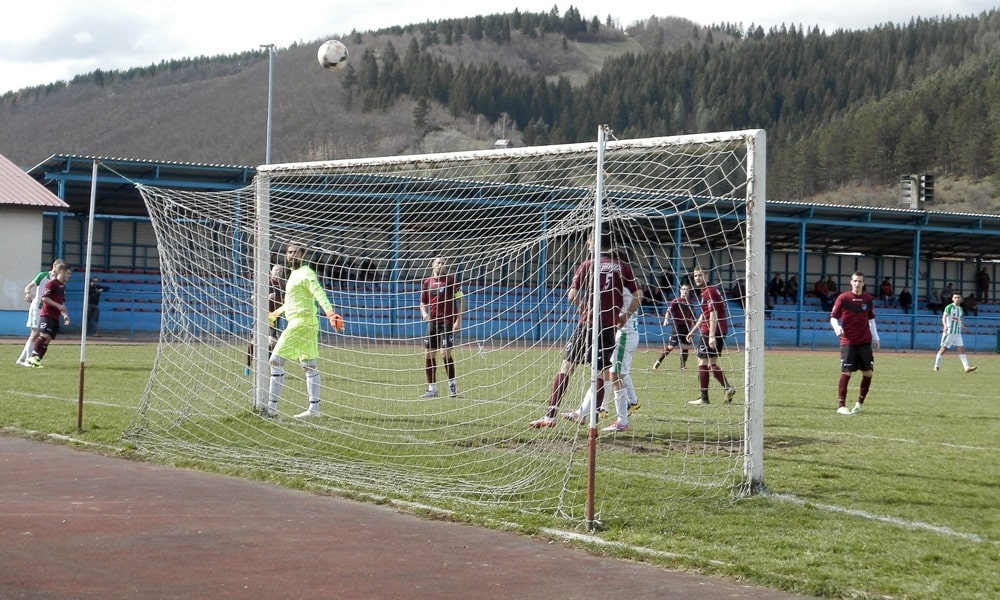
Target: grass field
x,y
900,501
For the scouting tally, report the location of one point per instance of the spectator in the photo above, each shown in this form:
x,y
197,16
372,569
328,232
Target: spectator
x,y
651,295
792,289
738,293
944,297
776,288
832,288
822,291
666,286
905,300
94,305
885,289
983,284
934,303
970,306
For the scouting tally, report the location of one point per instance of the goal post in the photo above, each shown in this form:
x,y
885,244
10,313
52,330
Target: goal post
x,y
513,225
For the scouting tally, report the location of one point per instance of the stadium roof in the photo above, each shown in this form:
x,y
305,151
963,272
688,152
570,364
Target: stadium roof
x,y
882,231
791,226
70,177
18,189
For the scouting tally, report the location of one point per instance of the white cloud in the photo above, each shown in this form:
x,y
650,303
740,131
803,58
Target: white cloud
x,y
69,37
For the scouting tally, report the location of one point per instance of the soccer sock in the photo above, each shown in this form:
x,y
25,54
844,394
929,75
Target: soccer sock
x,y
965,360
621,405
600,393
250,355
449,367
937,361
703,380
41,347
312,385
630,388
719,375
26,353
558,389
842,388
588,399
276,385
430,366
866,382
684,358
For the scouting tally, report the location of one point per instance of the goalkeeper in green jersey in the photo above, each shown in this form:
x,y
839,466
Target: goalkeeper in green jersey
x,y
300,339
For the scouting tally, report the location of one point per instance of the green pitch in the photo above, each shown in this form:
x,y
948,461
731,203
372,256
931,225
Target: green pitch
x,y
900,501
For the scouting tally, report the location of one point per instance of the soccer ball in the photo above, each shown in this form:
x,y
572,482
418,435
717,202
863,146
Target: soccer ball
x,y
332,55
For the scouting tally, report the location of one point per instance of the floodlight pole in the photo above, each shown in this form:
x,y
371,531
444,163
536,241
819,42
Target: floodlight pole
x,y
270,94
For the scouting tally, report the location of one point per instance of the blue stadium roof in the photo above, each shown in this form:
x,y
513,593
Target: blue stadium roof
x,y
69,177
791,226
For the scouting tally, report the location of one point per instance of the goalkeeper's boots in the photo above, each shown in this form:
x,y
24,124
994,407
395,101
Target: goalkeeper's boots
x,y
633,407
452,389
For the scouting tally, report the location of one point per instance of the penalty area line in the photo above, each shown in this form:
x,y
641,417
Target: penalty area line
x,y
939,529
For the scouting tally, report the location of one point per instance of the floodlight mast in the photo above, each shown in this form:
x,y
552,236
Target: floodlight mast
x,y
270,95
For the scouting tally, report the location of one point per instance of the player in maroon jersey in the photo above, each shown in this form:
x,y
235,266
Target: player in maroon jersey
x,y
853,320
713,325
275,298
615,277
52,306
441,306
681,314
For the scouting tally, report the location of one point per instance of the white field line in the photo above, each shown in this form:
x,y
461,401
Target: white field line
x,y
35,396
946,531
864,436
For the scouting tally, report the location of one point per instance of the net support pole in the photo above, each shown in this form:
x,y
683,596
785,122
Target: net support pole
x,y
261,274
753,435
86,300
595,327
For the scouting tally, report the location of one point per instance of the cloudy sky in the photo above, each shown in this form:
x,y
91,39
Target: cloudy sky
x,y
58,39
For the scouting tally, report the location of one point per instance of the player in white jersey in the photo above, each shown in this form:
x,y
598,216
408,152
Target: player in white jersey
x,y
33,296
626,400
953,325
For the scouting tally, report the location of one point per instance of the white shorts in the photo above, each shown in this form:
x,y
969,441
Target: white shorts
x,y
33,316
625,347
952,339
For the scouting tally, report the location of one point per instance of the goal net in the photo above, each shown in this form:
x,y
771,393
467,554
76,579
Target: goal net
x,y
512,225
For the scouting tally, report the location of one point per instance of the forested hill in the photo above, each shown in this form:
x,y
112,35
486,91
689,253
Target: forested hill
x,y
846,112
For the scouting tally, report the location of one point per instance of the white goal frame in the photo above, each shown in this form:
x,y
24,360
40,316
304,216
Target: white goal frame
x,y
701,196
